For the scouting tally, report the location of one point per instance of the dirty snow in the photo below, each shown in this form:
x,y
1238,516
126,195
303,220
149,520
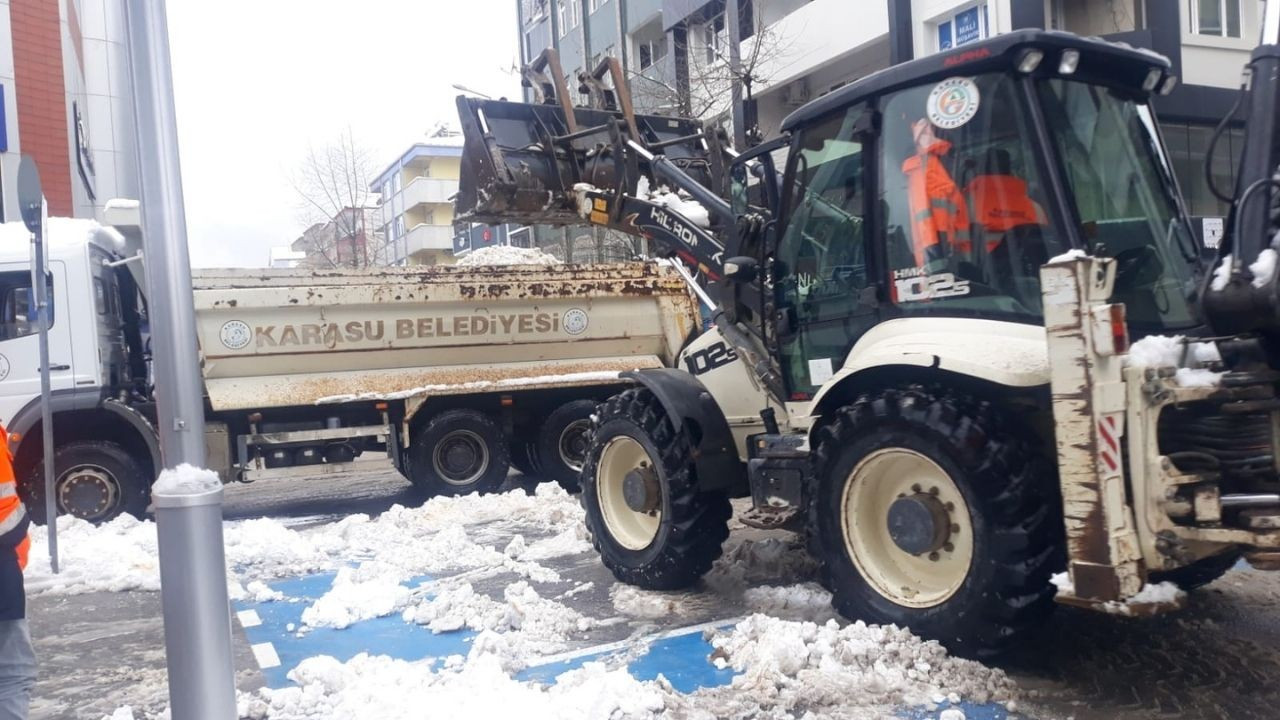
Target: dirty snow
x,y
595,376
1165,593
1175,351
506,255
642,188
1072,254
124,713
683,204
186,479
585,205
1264,268
1222,274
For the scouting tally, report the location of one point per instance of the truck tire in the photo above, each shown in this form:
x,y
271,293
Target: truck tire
x,y
459,452
1199,573
95,481
524,457
646,516
563,443
931,513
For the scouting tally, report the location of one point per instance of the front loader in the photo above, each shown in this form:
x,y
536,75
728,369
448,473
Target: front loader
x,y
950,336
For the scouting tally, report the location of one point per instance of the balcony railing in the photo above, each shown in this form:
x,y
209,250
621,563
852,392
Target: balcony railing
x,y
429,190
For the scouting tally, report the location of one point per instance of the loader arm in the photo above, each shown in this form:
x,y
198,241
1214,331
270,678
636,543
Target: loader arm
x,y
1242,293
547,165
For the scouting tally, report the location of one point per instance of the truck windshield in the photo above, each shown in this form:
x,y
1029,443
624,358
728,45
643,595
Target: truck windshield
x,y
1126,199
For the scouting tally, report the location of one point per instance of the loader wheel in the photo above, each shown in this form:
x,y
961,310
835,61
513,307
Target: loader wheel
x,y
650,524
563,442
1199,573
932,514
457,453
94,481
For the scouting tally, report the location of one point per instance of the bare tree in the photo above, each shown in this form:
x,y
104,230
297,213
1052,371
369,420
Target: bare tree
x,y
332,183
710,73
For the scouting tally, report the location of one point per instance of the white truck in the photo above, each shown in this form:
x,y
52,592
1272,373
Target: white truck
x,y
456,374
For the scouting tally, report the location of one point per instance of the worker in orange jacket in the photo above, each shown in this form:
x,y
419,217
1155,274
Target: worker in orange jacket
x,y
939,215
17,659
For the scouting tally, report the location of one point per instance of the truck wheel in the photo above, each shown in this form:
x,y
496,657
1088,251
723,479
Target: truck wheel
x,y
524,457
94,481
647,519
932,514
459,452
563,442
1199,573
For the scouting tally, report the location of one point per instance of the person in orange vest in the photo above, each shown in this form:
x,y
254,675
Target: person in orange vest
x,y
1000,199
17,659
939,214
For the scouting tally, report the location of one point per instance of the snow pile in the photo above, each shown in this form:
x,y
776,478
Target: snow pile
x,y
186,479
124,713
794,668
775,560
805,601
682,204
380,688
506,255
1072,254
368,591
524,626
1165,593
1164,351
1264,268
648,604
1222,274
115,557
260,592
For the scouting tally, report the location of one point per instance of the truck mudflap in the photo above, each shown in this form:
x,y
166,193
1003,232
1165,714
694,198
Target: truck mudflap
x,y
688,402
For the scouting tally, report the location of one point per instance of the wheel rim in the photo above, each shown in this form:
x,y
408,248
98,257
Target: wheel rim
x,y
905,477
631,529
573,444
89,492
460,458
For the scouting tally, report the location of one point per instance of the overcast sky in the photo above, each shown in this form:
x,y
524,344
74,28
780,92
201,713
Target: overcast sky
x,y
258,80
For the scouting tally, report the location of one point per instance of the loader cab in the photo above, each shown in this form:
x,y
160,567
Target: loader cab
x,y
939,187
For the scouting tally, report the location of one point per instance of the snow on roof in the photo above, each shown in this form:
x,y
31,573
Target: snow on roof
x,y
15,237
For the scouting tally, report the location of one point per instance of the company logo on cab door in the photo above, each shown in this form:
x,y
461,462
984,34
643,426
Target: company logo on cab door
x,y
480,324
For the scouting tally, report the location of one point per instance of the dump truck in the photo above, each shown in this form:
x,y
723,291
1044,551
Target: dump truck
x,y
964,339
450,375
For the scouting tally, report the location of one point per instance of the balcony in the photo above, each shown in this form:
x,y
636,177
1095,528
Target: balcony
x,y
815,34
428,190
425,237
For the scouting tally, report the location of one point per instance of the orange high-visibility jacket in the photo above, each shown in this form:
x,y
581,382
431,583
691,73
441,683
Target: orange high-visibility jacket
x,y
1001,202
14,541
939,216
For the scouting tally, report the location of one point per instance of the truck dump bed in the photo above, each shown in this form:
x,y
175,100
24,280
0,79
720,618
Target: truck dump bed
x,y
280,338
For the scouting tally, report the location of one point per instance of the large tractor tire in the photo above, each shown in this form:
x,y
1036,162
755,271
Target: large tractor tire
x,y
1199,573
647,519
563,443
459,452
932,513
94,481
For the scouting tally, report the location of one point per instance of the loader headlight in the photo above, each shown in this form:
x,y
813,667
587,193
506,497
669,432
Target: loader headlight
x,y
1069,62
1152,80
1030,61
1169,84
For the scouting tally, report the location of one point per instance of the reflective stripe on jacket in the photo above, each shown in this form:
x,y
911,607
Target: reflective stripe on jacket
x,y
939,216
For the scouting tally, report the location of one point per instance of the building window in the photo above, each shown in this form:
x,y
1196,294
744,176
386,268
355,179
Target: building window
x,y
651,51
595,4
1188,144
716,38
528,47
570,14
1216,17
963,27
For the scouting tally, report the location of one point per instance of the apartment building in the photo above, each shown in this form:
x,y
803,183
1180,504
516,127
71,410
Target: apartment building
x,y
678,54
416,214
66,100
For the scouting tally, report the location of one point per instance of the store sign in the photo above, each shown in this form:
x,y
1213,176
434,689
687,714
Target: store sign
x,y
968,27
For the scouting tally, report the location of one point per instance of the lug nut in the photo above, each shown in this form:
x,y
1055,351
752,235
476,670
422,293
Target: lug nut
x,y
955,527
934,556
949,547
951,507
933,490
915,488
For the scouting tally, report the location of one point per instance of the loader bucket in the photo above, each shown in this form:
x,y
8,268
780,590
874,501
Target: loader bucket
x,y
521,161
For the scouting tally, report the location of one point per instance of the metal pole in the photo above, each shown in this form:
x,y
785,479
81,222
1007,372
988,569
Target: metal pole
x,y
40,292
197,613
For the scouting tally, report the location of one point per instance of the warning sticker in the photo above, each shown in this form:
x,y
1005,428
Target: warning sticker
x,y
953,102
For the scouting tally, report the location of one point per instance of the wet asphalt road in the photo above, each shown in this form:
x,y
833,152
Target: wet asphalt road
x,y
1218,659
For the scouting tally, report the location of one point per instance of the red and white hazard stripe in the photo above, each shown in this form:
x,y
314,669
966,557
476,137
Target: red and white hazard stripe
x,y
1109,443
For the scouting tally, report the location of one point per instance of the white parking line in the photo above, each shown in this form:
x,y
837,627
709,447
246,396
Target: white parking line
x,y
249,618
266,655
632,642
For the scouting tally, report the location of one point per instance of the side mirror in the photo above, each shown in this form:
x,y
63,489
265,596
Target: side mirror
x,y
741,269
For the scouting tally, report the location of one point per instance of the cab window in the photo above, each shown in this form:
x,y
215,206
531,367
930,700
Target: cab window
x,y
18,305
965,206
